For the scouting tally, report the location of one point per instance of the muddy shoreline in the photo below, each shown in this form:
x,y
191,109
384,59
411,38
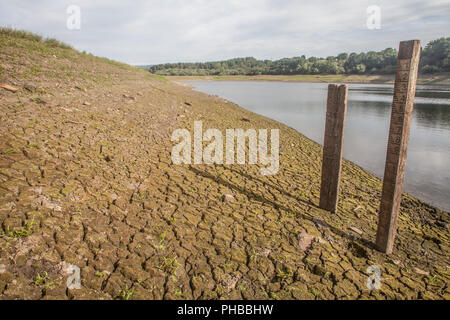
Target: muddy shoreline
x,y
438,79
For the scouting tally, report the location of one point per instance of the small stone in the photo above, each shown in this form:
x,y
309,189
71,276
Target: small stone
x,y
8,87
320,240
265,252
129,97
30,88
421,272
358,214
113,196
396,262
229,198
304,241
86,103
50,205
80,88
356,230
230,281
64,268
245,120
39,100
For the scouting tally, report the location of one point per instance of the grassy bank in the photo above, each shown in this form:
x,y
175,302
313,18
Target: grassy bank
x,y
437,79
87,180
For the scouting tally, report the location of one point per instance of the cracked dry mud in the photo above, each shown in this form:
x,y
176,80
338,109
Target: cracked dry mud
x,y
86,179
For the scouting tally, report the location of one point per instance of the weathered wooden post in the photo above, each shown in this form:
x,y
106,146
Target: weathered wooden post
x,y
394,172
332,147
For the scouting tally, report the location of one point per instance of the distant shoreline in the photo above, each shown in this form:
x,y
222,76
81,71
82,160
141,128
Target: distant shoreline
x,y
429,79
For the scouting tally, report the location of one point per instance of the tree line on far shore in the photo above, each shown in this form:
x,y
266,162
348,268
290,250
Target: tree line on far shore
x,y
435,58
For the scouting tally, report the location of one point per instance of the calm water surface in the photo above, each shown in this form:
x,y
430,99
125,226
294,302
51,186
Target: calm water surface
x,y
302,106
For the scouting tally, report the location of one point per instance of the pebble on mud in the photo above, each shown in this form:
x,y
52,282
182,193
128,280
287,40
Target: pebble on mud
x,y
421,272
356,230
30,88
39,100
129,97
304,241
81,89
228,198
8,87
396,262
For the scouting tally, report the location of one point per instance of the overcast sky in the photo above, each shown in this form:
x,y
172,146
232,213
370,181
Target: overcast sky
x,y
151,32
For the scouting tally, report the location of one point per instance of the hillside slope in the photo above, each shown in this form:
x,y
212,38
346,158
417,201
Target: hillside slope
x,y
86,179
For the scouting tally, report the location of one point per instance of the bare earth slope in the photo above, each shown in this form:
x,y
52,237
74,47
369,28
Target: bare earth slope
x,y
86,179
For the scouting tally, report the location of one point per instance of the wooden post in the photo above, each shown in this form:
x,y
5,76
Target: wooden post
x,y
332,147
394,172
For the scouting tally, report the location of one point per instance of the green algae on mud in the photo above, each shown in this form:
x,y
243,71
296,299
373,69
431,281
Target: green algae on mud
x,y
111,202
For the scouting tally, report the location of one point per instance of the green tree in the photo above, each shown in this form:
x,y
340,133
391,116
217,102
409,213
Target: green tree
x,y
435,58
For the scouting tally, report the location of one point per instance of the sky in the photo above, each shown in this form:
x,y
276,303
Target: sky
x,y
145,32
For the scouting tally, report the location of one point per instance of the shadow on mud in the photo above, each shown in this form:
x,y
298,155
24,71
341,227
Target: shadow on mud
x,y
249,193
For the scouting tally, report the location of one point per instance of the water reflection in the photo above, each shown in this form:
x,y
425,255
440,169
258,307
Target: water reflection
x,y
303,105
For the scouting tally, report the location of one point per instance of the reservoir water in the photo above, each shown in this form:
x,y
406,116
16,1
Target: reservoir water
x,y
302,106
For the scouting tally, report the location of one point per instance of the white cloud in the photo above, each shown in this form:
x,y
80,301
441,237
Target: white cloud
x,y
199,30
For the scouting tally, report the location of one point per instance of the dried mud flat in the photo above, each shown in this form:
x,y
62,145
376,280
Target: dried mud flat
x,y
86,179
